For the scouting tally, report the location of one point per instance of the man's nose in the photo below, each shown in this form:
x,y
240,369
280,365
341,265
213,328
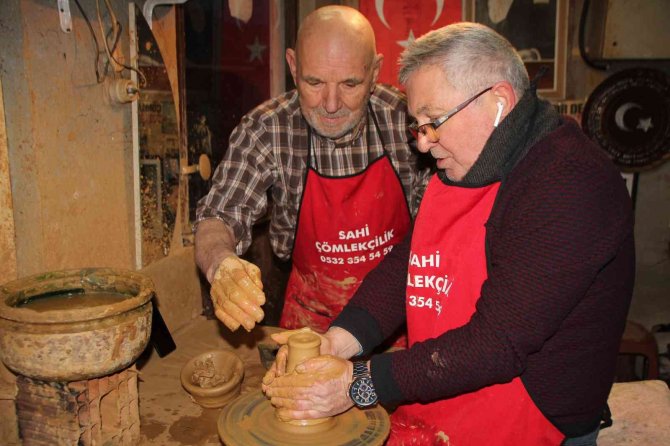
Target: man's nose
x,y
331,99
423,143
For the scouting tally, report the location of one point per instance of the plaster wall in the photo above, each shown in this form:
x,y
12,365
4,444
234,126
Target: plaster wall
x,y
7,235
69,146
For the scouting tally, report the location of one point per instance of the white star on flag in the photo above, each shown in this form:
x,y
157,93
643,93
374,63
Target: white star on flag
x,y
410,39
256,50
645,124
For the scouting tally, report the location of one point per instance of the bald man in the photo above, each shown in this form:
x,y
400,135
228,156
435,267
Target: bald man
x,y
335,155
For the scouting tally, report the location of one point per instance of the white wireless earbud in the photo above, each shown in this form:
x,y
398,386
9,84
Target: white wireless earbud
x,y
499,114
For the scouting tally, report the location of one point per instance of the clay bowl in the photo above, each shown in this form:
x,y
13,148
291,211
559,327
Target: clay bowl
x,y
79,341
213,378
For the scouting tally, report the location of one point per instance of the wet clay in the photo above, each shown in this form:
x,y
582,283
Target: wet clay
x,y
213,378
205,374
301,347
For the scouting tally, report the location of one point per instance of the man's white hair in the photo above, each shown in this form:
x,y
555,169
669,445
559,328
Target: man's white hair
x,y
472,56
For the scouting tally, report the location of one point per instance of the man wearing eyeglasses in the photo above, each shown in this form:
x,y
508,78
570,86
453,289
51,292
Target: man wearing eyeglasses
x,y
515,280
335,156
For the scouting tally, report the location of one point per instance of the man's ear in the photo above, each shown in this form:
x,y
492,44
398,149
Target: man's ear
x,y
291,60
376,68
504,98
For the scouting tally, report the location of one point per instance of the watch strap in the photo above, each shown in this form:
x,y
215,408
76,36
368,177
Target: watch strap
x,y
360,369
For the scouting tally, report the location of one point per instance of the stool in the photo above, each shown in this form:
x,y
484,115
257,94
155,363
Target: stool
x,y
637,340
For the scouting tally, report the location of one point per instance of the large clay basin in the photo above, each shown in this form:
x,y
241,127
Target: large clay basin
x,y
80,343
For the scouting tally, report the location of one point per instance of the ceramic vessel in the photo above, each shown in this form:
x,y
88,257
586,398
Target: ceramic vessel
x,y
301,347
74,344
213,378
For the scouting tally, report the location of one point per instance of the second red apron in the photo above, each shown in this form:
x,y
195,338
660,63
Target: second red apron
x,y
446,271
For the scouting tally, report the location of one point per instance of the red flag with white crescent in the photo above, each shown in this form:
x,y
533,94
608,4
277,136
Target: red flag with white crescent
x,y
398,22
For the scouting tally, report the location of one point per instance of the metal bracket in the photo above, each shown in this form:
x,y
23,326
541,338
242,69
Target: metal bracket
x,y
148,8
64,15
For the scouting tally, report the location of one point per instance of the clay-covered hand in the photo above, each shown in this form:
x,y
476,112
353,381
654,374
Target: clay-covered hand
x,y
318,388
278,367
237,293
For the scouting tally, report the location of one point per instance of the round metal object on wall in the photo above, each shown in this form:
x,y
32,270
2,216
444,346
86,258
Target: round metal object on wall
x,y
251,420
628,115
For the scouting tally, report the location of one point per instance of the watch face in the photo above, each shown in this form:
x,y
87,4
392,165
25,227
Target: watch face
x,y
362,392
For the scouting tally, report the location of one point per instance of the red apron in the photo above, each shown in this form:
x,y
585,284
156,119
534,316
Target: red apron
x,y
446,271
345,226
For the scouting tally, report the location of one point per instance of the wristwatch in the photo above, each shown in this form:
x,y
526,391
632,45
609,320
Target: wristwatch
x,y
362,391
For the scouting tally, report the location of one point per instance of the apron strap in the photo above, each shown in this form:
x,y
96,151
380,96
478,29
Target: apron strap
x,y
310,153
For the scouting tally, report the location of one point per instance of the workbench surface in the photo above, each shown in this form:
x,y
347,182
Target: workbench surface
x,y
168,416
641,410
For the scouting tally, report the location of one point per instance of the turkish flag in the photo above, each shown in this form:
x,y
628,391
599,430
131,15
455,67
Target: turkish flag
x,y
399,22
245,52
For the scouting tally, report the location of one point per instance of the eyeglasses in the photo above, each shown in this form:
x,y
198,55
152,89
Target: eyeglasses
x,y
429,130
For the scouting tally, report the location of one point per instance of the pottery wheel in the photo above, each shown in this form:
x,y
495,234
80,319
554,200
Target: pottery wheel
x,y
251,420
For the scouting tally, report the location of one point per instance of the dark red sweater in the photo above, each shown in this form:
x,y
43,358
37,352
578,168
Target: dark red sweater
x,y
561,262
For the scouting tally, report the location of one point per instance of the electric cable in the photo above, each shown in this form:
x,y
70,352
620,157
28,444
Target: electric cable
x,y
116,28
98,78
598,65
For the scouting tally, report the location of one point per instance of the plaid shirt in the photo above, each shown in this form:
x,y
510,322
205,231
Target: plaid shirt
x,y
268,151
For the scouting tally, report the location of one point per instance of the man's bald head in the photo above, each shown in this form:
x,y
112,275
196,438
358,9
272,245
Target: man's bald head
x,y
337,25
335,68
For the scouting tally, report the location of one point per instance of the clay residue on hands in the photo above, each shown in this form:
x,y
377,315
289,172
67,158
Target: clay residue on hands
x,y
205,374
237,293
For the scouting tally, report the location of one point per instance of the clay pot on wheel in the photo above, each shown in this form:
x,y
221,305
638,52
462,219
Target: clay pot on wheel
x,y
213,378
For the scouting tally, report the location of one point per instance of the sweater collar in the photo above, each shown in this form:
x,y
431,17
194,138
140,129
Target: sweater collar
x,y
529,121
